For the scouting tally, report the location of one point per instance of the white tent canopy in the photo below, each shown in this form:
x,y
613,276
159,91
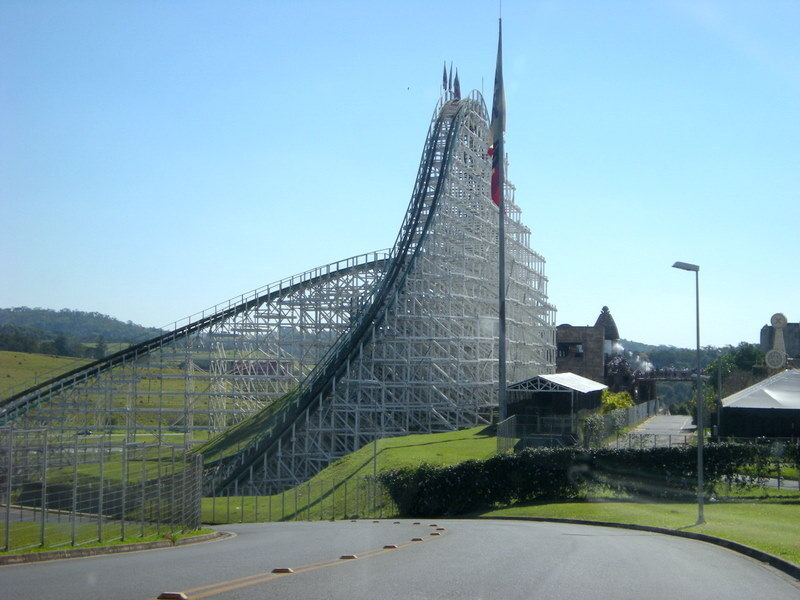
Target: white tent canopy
x,y
781,391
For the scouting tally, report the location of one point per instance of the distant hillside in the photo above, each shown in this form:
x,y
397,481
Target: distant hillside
x,y
83,326
66,332
662,356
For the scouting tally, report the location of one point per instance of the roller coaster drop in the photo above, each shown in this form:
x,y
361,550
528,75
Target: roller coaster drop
x,y
297,374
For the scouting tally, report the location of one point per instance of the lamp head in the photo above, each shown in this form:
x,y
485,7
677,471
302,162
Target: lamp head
x,y
686,266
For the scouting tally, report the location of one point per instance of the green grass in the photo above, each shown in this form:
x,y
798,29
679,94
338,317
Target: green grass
x,y
26,537
771,525
764,518
342,491
439,448
19,369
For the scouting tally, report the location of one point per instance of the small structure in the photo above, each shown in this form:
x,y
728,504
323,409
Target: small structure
x,y
586,350
580,351
770,408
781,335
547,405
781,343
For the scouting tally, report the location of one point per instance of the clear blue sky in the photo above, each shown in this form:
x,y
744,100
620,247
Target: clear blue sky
x,y
159,157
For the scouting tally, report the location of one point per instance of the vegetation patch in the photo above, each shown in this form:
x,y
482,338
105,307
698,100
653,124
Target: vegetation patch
x,y
771,525
540,474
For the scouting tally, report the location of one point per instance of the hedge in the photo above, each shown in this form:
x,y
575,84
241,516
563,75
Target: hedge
x,y
536,474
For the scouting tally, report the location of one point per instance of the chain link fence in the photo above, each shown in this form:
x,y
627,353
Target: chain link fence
x,y
88,489
592,431
354,498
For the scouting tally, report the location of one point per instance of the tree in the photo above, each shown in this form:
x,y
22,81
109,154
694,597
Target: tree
x,y
61,345
612,401
100,349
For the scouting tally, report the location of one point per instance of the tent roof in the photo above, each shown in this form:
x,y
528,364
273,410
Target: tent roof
x,y
780,391
560,381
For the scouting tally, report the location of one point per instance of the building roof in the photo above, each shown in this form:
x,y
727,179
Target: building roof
x,y
781,391
606,321
558,382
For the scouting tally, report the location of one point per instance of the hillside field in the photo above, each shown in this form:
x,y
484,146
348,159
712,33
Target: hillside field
x,y
21,369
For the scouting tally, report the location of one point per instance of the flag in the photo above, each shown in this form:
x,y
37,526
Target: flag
x,y
498,125
457,87
444,77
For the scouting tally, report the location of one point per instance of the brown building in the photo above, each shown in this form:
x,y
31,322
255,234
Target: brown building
x,y
580,351
584,350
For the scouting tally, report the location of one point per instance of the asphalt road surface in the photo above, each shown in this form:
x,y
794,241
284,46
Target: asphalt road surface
x,y
660,430
467,560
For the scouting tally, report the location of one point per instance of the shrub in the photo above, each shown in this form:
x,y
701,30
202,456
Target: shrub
x,y
537,474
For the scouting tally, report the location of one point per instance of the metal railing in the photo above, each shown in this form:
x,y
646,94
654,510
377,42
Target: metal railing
x,y
92,489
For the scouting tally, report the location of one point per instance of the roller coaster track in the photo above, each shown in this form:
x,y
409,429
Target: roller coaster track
x,y
280,419
19,403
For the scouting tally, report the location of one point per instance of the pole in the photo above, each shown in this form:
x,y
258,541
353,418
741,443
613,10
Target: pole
x,y
719,399
498,127
700,408
699,393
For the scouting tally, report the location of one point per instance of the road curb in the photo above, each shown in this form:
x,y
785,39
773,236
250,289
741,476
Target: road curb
x,y
31,557
776,562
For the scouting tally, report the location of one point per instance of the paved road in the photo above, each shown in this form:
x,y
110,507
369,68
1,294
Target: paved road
x,y
661,430
472,559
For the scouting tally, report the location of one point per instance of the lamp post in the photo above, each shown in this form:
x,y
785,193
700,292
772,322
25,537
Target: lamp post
x,y
700,427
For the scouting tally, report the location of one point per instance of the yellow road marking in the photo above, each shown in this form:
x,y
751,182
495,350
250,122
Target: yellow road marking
x,y
235,584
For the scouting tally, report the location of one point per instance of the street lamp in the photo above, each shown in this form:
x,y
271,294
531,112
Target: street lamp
x,y
700,427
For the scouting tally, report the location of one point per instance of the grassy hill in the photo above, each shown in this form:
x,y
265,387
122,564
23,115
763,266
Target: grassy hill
x,y
344,490
83,326
18,369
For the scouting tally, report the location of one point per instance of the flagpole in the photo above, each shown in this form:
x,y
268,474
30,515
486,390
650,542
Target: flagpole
x,y
499,179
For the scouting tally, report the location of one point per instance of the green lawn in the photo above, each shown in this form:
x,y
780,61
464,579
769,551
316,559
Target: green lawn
x,y
26,537
771,525
342,489
767,519
21,368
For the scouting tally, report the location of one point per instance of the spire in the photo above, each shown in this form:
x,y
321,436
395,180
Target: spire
x,y
444,77
498,126
457,87
450,77
606,321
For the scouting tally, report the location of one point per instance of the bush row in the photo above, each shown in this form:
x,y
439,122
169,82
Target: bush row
x,y
537,474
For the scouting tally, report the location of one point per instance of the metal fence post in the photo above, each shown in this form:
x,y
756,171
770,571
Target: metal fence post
x,y
144,497
100,491
44,492
9,478
171,512
158,490
74,490
124,489
184,468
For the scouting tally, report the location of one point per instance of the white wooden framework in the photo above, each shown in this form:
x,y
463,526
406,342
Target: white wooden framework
x,y
378,345
209,371
428,359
